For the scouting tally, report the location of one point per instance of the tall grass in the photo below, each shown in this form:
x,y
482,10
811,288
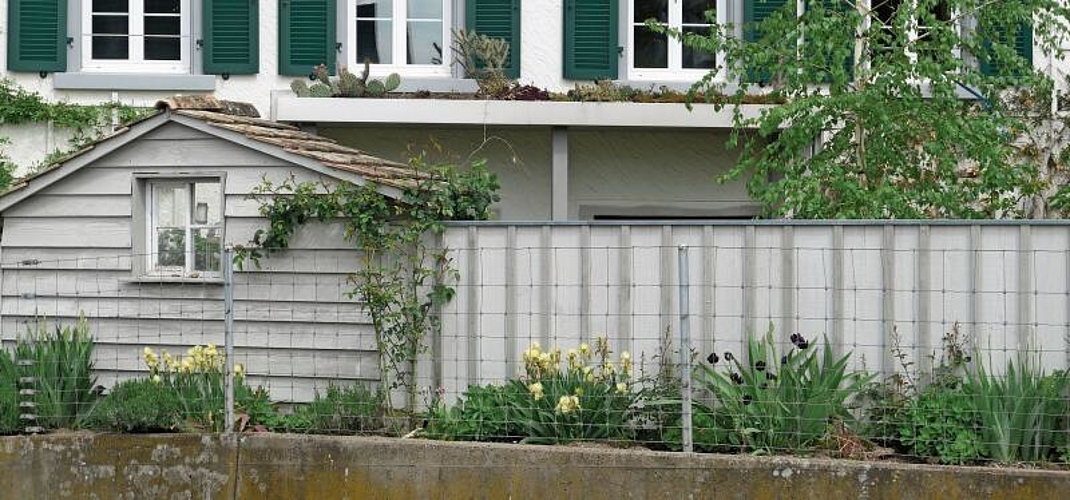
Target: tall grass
x,y
9,406
62,369
780,402
1020,411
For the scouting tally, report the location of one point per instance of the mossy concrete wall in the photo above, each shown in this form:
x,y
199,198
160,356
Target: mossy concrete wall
x,y
293,467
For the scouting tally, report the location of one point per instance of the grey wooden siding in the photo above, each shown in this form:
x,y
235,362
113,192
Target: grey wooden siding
x,y
1006,286
295,328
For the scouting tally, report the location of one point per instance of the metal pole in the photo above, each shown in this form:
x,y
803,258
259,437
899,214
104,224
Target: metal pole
x,y
228,337
685,351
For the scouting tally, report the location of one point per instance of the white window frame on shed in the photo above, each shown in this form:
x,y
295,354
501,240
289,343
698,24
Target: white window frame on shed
x,y
399,23
136,61
674,69
147,218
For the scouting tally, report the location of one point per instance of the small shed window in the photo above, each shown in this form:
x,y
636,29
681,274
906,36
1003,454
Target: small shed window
x,y
185,228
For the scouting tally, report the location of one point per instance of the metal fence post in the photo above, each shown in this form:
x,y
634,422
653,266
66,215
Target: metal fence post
x,y
228,337
685,351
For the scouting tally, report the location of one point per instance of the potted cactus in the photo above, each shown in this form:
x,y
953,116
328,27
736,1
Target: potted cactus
x,y
346,84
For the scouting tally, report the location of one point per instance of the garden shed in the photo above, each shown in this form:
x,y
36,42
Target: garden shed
x,y
128,233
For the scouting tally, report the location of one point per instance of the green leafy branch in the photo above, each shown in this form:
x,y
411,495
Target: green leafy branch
x,y
404,274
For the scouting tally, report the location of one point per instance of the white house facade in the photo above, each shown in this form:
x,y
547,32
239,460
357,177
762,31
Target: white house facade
x,y
555,160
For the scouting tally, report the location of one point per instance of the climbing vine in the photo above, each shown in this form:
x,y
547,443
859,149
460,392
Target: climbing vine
x,y
404,273
20,106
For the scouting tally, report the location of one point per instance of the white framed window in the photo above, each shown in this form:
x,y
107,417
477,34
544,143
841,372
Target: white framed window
x,y
184,227
654,56
407,36
136,35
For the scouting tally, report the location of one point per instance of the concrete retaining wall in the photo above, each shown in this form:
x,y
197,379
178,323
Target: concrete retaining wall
x,y
282,466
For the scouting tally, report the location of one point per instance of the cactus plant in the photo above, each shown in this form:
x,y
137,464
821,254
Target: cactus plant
x,y
375,89
300,88
346,85
392,82
319,90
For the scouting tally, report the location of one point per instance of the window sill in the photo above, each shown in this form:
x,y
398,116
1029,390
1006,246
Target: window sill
x,y
148,279
682,85
132,81
436,84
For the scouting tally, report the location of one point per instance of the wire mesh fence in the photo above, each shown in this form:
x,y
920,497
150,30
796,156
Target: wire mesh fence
x,y
944,342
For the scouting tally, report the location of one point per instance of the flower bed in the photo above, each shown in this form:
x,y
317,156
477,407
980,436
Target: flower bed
x,y
802,401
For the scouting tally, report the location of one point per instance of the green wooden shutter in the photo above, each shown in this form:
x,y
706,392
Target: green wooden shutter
x,y
754,13
499,19
1022,44
306,36
231,37
37,35
591,39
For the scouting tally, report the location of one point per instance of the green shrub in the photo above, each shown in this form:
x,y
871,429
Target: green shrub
x,y
253,408
941,422
139,405
1021,411
62,370
483,413
780,403
584,400
9,404
899,409
709,431
197,380
341,410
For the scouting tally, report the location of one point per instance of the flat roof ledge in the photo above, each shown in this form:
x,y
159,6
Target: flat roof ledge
x,y
503,113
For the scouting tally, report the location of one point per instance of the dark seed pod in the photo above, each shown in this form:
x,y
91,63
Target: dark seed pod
x,y
737,378
712,358
760,365
728,356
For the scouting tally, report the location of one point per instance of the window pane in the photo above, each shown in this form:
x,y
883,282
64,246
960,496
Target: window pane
x,y
697,59
375,8
157,25
162,6
111,47
425,42
111,6
424,9
885,10
695,11
207,249
115,25
170,247
207,198
374,42
162,48
646,9
651,49
170,205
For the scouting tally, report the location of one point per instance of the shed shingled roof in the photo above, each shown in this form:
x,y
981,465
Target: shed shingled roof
x,y
243,119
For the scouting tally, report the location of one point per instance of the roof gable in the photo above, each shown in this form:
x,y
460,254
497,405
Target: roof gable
x,y
236,123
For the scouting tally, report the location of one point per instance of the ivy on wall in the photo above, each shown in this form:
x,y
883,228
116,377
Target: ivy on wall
x,y
403,275
19,106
